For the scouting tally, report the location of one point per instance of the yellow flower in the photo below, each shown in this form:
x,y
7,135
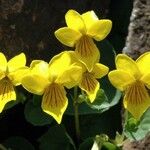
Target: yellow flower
x,y
133,77
89,82
50,79
88,79
11,73
79,33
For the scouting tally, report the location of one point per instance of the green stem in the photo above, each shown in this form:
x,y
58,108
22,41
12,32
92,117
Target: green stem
x,y
76,113
126,116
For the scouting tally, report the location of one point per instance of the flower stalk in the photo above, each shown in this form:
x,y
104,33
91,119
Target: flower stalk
x,y
76,113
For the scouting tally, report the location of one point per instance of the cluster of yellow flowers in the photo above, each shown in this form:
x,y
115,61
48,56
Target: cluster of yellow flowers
x,y
77,68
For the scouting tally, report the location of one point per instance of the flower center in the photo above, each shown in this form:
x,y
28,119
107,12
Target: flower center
x,y
136,93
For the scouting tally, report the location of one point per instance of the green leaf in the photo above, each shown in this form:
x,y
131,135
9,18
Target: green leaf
x,y
107,97
100,143
107,53
87,144
107,123
17,143
108,58
56,138
34,113
137,130
101,102
100,105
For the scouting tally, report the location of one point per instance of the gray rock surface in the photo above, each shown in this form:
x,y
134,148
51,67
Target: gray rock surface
x,y
138,39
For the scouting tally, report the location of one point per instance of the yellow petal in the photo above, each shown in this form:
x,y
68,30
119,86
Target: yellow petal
x,y
121,79
75,21
17,62
36,62
3,63
99,70
55,102
16,76
136,99
35,84
2,75
40,67
90,85
146,79
71,77
87,52
60,63
89,18
124,62
7,93
68,36
100,29
143,62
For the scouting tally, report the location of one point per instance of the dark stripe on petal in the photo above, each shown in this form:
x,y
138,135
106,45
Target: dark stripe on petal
x,y
88,82
54,101
85,46
6,90
136,93
54,96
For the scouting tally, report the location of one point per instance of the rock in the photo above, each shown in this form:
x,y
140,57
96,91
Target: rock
x,y
138,39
